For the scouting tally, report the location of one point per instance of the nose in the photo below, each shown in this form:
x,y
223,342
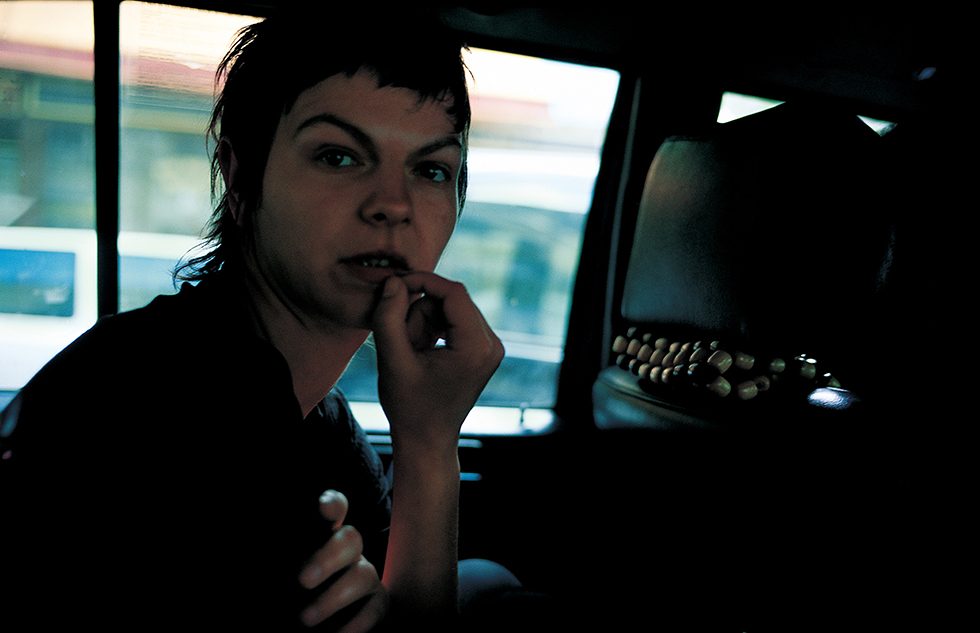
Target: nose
x,y
390,202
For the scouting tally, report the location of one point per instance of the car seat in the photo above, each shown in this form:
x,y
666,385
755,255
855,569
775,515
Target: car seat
x,y
751,294
745,370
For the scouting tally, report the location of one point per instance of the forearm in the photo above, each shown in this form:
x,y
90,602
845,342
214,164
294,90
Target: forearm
x,y
427,391
420,567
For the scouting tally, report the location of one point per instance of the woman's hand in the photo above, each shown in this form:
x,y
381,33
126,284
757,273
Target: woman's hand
x,y
427,390
347,577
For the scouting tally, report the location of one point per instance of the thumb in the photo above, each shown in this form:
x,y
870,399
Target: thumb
x,y
389,322
333,507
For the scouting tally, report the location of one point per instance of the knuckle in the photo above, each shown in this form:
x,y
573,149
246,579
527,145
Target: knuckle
x,y
494,351
365,571
350,538
498,350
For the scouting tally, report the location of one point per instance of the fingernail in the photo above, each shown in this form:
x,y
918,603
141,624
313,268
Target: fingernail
x,y
389,290
328,496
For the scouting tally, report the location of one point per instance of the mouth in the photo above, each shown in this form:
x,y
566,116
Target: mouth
x,y
375,267
378,259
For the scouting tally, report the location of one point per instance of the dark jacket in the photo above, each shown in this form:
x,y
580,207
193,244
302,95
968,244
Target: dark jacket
x,y
159,471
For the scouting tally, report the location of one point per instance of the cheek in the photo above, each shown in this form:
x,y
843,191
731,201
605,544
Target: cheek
x,y
448,229
434,224
439,237
280,231
288,212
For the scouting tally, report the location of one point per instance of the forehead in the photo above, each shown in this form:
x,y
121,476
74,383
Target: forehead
x,y
379,110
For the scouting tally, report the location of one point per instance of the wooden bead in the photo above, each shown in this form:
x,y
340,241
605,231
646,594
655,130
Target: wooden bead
x,y
620,343
809,369
657,357
700,354
645,352
747,390
655,373
720,359
720,387
661,343
644,372
633,347
631,332
805,367
678,374
777,366
682,355
743,361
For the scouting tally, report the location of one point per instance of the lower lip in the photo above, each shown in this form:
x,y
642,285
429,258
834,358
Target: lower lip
x,y
373,275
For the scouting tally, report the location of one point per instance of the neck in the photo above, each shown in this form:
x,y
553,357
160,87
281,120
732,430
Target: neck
x,y
317,354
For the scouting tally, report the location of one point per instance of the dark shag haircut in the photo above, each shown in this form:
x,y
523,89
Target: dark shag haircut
x,y
273,61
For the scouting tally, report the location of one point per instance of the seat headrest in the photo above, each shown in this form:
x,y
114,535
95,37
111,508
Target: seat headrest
x,y
767,228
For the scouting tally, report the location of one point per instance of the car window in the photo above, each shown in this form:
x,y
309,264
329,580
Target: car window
x,y
536,138
735,105
47,182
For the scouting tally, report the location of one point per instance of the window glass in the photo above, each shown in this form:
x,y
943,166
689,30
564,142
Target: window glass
x,y
168,58
47,183
537,133
538,128
735,106
40,283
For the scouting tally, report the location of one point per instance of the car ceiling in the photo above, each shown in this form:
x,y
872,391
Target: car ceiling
x,y
890,65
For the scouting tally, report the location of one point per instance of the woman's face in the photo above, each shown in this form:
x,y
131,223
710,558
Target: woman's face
x,y
360,184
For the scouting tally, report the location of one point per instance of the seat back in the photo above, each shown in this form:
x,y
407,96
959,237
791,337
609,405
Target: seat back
x,y
764,236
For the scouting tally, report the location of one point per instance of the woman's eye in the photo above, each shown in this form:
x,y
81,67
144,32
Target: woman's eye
x,y
336,158
433,172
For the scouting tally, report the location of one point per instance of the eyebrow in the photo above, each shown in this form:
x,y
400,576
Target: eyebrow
x,y
365,140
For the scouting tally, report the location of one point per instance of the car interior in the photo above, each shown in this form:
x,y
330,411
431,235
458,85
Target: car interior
x,y
733,433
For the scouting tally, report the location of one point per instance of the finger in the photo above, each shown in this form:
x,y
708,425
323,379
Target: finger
x,y
425,323
369,615
333,507
343,549
358,581
462,320
390,330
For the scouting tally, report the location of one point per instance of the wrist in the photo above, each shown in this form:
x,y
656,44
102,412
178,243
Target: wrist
x,y
425,457
415,443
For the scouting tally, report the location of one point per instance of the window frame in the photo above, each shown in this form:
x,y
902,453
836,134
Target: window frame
x,y
106,88
605,208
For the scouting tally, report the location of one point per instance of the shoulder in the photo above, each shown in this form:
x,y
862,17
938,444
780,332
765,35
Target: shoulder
x,y
119,345
336,409
151,360
344,429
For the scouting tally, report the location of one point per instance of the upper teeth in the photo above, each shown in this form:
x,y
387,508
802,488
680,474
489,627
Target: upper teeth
x,y
382,262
